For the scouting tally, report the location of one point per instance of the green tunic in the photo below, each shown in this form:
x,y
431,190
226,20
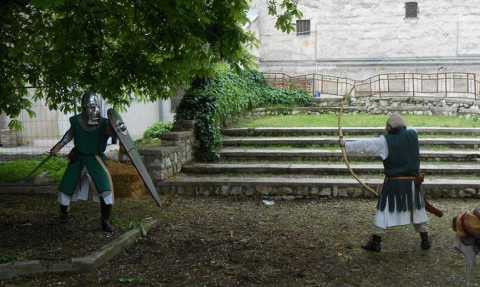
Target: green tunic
x,y
402,161
89,148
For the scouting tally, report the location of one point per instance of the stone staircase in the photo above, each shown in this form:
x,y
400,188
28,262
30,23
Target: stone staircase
x,y
291,163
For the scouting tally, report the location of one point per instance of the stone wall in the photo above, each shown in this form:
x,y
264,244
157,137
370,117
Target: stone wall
x,y
382,105
417,106
292,192
9,138
360,38
176,149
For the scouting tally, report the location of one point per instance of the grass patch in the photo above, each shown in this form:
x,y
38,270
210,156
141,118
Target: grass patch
x,y
354,120
17,170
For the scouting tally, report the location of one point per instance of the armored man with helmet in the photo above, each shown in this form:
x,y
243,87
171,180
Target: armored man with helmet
x,y
401,201
90,133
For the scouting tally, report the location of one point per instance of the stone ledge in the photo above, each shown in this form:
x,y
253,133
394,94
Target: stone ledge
x,y
418,99
159,150
332,131
307,189
76,264
28,188
184,125
177,135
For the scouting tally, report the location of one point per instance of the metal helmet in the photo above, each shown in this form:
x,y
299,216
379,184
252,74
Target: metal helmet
x,y
91,108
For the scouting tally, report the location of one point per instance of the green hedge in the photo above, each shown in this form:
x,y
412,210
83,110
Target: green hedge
x,y
152,135
157,130
228,94
17,170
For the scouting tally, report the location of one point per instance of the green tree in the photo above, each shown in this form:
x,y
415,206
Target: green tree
x,y
119,48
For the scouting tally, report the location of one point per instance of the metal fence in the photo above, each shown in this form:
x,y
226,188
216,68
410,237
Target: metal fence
x,y
39,134
440,85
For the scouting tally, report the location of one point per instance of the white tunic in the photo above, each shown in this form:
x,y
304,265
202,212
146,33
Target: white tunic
x,y
385,219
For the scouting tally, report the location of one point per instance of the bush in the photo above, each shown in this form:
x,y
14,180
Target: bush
x,y
152,135
228,94
157,130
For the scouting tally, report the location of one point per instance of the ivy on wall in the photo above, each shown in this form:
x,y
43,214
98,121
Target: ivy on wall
x,y
227,94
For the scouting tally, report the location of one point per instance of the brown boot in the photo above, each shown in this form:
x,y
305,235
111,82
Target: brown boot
x,y
374,244
426,243
106,210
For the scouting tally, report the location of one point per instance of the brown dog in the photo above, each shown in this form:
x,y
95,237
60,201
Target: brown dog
x,y
467,227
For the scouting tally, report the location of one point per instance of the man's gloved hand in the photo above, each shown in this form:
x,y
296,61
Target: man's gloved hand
x,y
55,149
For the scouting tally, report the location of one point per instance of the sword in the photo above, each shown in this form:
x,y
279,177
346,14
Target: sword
x,y
38,167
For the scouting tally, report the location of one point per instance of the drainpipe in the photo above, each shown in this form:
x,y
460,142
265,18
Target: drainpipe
x,y
316,41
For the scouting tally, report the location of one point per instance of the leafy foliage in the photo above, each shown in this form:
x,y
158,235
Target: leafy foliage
x,y
225,96
157,130
288,12
152,135
120,49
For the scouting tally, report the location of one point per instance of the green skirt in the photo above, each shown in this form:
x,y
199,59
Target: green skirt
x,y
398,194
97,170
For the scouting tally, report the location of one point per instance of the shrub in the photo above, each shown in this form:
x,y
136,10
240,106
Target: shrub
x,y
152,135
157,130
228,94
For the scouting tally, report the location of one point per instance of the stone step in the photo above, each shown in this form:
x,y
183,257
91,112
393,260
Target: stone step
x,y
271,154
328,141
321,168
333,131
302,187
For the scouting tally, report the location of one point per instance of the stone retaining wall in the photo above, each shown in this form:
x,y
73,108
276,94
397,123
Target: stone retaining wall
x,y
292,192
176,149
383,105
9,138
417,105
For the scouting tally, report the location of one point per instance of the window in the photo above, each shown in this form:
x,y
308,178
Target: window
x,y
303,27
411,10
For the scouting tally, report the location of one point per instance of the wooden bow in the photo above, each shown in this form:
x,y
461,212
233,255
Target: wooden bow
x,y
342,147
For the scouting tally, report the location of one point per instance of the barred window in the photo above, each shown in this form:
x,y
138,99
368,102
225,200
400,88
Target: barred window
x,y
303,27
411,10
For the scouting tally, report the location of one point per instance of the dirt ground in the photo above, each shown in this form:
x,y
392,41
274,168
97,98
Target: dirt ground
x,y
30,229
224,242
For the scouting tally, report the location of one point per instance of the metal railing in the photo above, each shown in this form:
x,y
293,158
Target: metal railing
x,y
438,85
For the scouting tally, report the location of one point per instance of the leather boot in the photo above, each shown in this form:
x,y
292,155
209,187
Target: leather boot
x,y
426,243
64,216
106,210
374,244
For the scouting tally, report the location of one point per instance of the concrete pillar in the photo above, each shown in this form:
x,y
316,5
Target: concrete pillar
x,y
4,120
166,114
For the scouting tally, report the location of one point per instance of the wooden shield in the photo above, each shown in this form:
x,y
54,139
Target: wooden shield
x,y
121,131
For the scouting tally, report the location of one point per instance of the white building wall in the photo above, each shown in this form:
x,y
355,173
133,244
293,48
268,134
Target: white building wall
x,y
48,126
140,116
360,38
43,128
